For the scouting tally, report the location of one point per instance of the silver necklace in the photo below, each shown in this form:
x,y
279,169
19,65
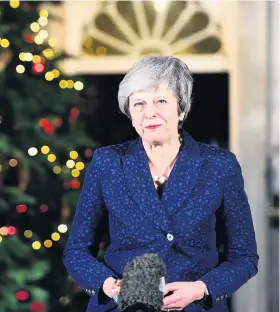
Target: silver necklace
x,y
159,180
163,179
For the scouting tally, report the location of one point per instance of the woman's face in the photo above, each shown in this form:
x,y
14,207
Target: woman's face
x,y
154,114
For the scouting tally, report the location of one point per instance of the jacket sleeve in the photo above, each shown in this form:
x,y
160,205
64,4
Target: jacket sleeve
x,y
241,258
86,270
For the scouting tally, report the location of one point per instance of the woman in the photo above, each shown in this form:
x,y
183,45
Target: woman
x,y
167,194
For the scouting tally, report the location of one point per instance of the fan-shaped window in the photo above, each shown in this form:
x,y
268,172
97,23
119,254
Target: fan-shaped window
x,y
139,28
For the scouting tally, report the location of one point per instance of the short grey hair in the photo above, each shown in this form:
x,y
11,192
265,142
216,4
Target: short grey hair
x,y
151,71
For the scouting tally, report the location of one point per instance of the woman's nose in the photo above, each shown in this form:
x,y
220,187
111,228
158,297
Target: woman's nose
x,y
150,111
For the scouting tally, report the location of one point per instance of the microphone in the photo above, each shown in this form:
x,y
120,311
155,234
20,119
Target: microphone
x,y
142,284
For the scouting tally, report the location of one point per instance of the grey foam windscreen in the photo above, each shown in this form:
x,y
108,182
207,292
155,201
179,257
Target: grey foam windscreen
x,y
141,283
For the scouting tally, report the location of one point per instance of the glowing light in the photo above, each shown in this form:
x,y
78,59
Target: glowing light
x,y
56,169
56,73
21,56
75,183
51,158
28,37
63,84
14,4
37,68
65,170
55,236
88,152
4,43
88,42
62,228
78,85
21,208
49,76
48,243
36,245
64,300
20,69
12,230
28,57
43,21
22,295
74,113
101,51
1,239
52,42
35,27
45,149
160,5
70,84
43,34
44,208
28,234
58,121
75,173
73,154
32,151
4,230
38,40
80,165
36,59
13,162
48,53
70,163
36,306
43,13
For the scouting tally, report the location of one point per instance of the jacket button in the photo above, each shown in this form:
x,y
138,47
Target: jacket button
x,y
170,237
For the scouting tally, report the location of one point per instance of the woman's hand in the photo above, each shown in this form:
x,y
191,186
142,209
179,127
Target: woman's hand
x,y
108,286
184,293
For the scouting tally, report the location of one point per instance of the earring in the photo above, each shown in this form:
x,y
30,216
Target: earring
x,y
181,117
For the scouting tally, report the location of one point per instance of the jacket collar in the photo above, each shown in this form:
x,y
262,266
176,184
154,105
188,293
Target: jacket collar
x,y
177,190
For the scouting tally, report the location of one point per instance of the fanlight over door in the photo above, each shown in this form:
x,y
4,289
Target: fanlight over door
x,y
109,36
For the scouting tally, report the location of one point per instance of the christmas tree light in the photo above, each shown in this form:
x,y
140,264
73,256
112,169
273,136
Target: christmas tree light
x,y
13,162
37,123
20,69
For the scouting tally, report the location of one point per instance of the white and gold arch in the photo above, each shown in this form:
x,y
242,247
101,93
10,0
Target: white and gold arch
x,y
108,36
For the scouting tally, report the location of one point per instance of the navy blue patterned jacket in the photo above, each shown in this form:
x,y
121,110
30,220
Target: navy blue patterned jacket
x,y
202,227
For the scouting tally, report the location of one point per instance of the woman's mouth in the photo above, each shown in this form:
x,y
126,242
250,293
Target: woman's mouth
x,y
152,127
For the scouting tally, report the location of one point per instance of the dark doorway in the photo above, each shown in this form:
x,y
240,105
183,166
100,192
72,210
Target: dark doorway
x,y
207,122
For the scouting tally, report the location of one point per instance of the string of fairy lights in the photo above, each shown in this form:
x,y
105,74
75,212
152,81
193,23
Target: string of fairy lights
x,y
73,166
39,35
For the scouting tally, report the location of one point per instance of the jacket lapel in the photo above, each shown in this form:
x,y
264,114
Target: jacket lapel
x,y
140,186
183,177
177,189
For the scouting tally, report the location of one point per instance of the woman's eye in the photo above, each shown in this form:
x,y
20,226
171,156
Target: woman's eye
x,y
138,103
162,101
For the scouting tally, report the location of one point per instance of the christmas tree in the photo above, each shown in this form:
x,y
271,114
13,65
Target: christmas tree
x,y
43,154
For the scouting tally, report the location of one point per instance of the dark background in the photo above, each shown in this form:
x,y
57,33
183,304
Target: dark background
x,y
208,119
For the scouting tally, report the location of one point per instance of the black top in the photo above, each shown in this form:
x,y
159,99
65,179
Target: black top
x,y
160,190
